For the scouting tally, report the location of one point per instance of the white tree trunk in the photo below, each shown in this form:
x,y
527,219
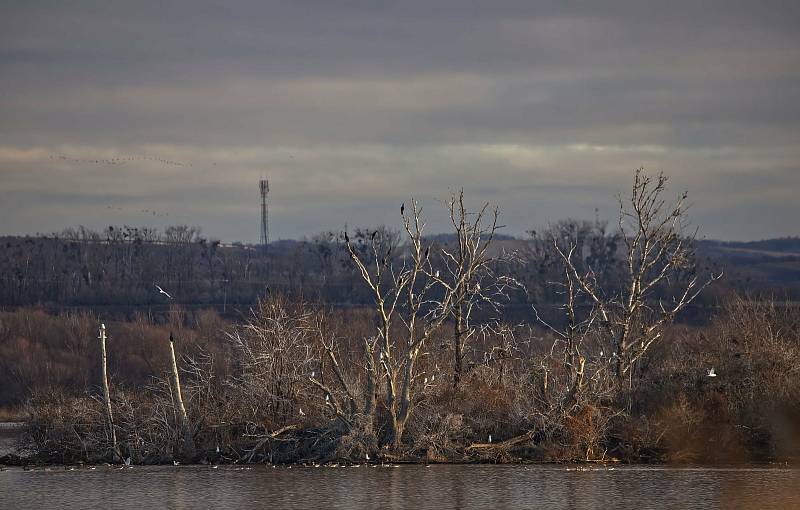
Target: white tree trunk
x,y
106,391
183,417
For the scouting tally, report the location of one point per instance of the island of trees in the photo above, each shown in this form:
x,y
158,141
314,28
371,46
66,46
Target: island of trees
x,y
587,341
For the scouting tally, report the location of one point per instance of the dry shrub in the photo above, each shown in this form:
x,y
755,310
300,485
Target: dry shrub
x,y
357,445
585,431
274,355
487,407
439,437
64,428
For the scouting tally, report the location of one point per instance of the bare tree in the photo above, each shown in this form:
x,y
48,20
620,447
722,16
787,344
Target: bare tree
x,y
412,299
658,254
402,301
468,276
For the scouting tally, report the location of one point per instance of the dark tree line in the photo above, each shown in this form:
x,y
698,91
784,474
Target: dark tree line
x,y
121,265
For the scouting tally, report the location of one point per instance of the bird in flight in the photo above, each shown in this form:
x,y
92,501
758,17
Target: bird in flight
x,y
162,291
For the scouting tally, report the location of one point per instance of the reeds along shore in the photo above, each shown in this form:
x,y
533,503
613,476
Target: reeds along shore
x,y
430,371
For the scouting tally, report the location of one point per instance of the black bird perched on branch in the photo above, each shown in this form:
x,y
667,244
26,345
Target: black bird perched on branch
x,y
402,208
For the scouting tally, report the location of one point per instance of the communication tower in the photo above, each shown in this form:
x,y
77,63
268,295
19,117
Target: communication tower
x,y
264,187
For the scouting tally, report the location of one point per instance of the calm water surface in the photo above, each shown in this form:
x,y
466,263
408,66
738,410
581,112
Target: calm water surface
x,y
416,487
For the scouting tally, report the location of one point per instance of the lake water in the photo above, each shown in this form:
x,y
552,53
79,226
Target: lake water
x,y
416,487
8,437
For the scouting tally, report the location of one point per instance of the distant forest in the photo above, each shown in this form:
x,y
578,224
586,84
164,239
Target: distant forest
x,y
119,267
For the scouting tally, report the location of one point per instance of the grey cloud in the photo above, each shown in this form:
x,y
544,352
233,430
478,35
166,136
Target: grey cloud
x,y
350,106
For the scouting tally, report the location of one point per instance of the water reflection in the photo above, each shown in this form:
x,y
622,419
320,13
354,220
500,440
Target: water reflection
x,y
416,487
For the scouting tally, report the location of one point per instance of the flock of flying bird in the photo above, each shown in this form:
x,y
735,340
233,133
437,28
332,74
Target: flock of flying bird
x,y
119,160
145,211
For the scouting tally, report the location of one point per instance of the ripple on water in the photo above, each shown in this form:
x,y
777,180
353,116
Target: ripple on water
x,y
419,487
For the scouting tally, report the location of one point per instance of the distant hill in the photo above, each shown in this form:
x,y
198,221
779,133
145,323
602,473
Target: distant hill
x,y
779,247
767,264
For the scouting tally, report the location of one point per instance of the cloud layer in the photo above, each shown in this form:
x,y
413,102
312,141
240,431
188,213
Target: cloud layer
x,y
351,107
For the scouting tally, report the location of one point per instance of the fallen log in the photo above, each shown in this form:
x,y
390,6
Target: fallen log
x,y
267,438
502,446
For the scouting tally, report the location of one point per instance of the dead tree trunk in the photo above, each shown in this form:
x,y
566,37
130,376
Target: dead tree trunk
x,y
107,392
187,448
458,345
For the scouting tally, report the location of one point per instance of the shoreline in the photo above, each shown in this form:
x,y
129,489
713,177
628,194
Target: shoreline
x,y
11,457
567,466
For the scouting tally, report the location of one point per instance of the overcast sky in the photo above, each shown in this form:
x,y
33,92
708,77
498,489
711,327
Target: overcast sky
x,y
351,107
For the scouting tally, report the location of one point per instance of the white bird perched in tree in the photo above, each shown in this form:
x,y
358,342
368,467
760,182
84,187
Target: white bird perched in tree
x,y
162,291
301,412
425,381
490,438
366,456
711,372
327,398
312,374
437,273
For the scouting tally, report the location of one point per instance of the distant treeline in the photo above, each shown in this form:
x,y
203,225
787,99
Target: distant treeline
x,y
119,266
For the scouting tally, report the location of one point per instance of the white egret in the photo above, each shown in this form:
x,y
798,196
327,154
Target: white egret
x,y
162,291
